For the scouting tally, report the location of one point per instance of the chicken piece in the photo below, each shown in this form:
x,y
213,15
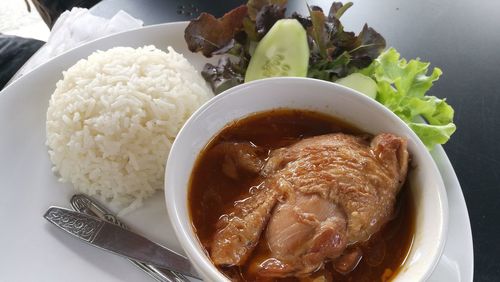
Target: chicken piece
x,y
239,231
302,232
322,194
240,158
358,181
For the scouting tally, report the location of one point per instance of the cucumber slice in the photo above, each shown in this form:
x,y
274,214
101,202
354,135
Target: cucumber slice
x,y
361,83
283,51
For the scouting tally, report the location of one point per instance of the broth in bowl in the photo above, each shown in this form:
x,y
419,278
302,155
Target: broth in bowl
x,y
269,200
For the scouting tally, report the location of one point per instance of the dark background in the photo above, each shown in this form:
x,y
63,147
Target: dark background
x,y
463,39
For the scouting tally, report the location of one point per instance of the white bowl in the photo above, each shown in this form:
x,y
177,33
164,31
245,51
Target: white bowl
x,y
301,93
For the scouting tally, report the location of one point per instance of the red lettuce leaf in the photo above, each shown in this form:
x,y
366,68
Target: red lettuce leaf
x,y
255,6
214,36
336,52
368,46
337,9
318,31
266,18
224,75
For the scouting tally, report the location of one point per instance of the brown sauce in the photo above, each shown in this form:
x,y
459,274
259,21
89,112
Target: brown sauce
x,y
212,193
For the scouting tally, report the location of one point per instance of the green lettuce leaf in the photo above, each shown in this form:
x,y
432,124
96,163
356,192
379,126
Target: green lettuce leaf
x,y
401,87
433,134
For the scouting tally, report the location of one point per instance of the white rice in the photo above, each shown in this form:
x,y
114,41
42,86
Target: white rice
x,y
113,117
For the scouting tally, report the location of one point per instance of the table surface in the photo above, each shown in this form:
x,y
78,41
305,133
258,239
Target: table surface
x,y
460,37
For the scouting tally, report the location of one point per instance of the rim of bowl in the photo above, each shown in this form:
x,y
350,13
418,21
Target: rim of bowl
x,y
197,255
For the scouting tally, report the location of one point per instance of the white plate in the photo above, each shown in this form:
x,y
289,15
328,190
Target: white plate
x,y
34,250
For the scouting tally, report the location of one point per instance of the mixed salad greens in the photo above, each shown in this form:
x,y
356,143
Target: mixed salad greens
x,y
258,40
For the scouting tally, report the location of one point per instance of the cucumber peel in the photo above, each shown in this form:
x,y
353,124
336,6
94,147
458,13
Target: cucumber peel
x,y
360,83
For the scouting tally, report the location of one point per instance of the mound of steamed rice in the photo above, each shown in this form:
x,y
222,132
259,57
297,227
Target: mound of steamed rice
x,y
113,117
